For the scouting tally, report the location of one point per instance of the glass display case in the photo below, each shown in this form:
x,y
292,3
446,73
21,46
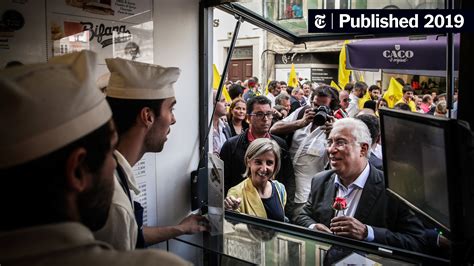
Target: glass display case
x,y
250,240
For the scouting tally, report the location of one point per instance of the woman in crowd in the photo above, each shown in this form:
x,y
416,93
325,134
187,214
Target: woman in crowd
x,y
259,194
236,116
381,103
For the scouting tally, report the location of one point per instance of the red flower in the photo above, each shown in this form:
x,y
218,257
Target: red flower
x,y
339,204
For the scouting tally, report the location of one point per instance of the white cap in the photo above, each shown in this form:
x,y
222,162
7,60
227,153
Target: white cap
x,y
47,106
103,81
140,81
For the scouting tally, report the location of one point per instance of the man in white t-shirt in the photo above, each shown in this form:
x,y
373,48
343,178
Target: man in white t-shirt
x,y
357,93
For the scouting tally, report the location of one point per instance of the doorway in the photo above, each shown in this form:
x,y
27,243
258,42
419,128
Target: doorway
x,y
240,69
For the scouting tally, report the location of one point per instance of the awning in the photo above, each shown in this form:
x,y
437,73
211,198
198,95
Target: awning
x,y
402,55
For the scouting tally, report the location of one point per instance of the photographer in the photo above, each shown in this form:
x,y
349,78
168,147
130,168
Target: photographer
x,y
307,130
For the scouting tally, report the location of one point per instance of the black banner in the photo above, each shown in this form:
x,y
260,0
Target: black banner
x,y
390,21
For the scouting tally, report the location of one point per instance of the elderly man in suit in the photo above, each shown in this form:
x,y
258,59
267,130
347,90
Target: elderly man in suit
x,y
371,214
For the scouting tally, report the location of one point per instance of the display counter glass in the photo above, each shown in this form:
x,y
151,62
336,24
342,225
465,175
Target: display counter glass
x,y
266,242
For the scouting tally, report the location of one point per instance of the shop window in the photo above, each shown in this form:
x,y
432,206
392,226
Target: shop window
x,y
290,9
337,4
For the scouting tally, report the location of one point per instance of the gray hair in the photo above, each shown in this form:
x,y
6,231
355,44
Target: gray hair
x,y
259,147
281,97
296,90
358,129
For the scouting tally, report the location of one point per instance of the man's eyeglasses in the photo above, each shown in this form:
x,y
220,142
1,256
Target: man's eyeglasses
x,y
340,143
261,115
346,100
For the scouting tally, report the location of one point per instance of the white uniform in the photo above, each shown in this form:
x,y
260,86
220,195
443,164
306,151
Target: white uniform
x,y
121,229
71,244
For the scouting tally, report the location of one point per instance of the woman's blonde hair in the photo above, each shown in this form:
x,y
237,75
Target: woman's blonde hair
x,y
259,147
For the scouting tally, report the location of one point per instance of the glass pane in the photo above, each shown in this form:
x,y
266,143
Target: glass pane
x,y
292,15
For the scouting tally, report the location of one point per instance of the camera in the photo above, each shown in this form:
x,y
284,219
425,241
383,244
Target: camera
x,y
322,113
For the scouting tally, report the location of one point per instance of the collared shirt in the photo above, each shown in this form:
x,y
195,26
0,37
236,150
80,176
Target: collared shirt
x,y
377,151
353,107
308,155
70,243
251,137
121,229
218,137
352,194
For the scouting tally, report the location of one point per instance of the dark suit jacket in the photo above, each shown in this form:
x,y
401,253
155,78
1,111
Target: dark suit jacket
x,y
375,161
233,153
393,222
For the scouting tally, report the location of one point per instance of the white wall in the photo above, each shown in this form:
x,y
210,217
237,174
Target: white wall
x,y
249,35
176,29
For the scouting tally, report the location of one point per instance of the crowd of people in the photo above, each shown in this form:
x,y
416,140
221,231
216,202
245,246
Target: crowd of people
x,y
287,154
307,145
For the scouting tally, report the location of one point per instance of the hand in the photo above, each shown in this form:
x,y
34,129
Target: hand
x,y
277,114
322,228
231,203
327,127
348,227
307,117
194,224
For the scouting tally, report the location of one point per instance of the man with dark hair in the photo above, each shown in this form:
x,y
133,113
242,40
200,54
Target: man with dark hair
x,y
348,87
142,100
370,104
407,97
259,115
61,156
373,124
235,90
357,93
283,86
375,92
306,92
273,91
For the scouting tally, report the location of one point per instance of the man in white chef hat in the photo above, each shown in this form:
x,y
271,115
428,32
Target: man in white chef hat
x,y
56,167
142,99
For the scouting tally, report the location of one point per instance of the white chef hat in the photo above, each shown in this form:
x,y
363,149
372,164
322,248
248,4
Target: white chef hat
x,y
140,81
102,81
46,106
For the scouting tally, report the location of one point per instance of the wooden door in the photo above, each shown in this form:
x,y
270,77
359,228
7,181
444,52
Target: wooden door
x,y
240,69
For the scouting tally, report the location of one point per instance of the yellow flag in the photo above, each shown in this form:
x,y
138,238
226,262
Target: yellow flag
x,y
343,73
266,88
215,84
361,78
364,99
334,85
394,93
292,79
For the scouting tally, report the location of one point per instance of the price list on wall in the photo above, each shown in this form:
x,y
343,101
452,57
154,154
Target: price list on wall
x,y
145,176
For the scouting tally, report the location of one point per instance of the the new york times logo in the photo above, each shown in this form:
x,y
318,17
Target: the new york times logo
x,y
320,21
390,21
